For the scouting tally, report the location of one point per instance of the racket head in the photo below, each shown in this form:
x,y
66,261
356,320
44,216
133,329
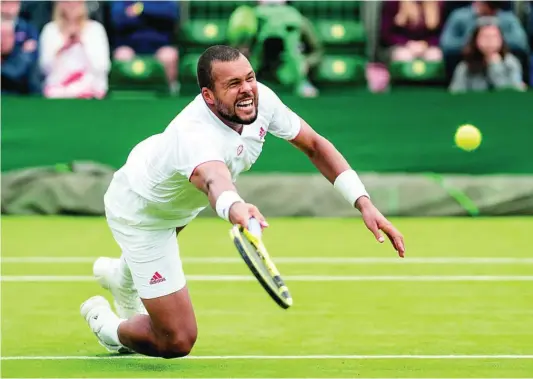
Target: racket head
x,y
254,254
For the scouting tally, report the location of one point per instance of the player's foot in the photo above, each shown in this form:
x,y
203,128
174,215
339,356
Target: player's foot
x,y
97,312
126,299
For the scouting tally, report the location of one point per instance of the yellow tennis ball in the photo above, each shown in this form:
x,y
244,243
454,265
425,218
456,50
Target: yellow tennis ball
x,y
468,137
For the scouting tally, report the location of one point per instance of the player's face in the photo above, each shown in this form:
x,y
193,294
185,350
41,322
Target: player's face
x,y
235,94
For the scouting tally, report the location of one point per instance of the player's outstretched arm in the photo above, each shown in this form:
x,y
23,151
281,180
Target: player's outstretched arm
x,y
330,162
214,179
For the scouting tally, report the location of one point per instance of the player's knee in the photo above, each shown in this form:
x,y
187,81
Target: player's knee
x,y
179,345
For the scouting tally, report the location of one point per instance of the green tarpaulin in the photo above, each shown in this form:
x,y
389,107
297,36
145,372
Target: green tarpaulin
x,y
398,132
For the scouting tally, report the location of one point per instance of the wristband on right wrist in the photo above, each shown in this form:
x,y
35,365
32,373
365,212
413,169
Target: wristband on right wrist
x,y
224,203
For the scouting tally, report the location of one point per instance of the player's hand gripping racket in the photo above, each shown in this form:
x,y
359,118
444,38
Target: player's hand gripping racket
x,y
252,250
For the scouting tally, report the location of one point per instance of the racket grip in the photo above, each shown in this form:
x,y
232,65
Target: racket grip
x,y
255,227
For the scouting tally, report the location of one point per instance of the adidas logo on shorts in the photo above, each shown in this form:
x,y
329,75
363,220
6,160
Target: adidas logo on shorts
x,y
157,278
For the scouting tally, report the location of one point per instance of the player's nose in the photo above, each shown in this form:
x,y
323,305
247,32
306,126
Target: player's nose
x,y
246,87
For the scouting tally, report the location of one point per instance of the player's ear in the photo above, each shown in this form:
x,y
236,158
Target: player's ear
x,y
208,95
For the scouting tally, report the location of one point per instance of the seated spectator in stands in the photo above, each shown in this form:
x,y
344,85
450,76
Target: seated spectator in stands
x,y
450,6
530,31
487,64
20,72
272,53
147,28
10,10
39,13
74,54
411,29
529,12
463,21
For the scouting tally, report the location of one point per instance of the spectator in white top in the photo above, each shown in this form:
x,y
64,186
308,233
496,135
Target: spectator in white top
x,y
74,53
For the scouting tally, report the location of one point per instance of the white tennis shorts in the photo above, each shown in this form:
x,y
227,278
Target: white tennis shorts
x,y
152,257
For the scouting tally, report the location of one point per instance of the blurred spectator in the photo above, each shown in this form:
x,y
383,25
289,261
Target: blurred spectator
x,y
280,40
20,73
411,29
313,51
450,6
487,64
39,13
74,53
530,19
10,10
463,21
531,42
147,28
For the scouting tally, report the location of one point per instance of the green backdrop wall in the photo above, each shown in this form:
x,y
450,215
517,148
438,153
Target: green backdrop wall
x,y
398,132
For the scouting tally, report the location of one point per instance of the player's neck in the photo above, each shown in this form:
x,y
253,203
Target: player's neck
x,y
232,125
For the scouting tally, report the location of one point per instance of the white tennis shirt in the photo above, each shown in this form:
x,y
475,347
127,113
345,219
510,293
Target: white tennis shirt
x,y
152,190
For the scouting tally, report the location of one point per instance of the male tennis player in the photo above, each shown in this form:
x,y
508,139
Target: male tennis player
x,y
170,177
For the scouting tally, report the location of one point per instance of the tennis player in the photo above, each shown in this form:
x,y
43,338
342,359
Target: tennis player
x,y
171,177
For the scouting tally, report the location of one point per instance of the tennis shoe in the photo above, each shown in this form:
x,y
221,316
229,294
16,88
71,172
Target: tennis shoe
x,y
126,299
97,312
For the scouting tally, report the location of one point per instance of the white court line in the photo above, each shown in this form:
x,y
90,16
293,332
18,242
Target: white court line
x,y
299,260
201,377
293,278
269,357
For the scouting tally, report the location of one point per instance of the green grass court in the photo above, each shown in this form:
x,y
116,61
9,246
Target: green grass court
x,y
464,289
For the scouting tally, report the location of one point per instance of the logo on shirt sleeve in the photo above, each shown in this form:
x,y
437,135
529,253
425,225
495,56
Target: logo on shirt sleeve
x,y
262,133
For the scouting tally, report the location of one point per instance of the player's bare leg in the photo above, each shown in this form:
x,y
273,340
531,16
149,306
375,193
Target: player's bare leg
x,y
168,326
114,275
169,331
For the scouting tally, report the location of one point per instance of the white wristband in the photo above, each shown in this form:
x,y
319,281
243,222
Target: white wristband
x,y
350,186
225,201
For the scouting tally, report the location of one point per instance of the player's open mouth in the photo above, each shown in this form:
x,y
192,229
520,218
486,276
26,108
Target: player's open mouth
x,y
245,104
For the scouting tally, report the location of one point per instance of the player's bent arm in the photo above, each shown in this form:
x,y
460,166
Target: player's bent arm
x,y
214,179
331,163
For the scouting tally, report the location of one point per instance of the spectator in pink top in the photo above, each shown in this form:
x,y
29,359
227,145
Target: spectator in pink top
x,y
74,54
411,29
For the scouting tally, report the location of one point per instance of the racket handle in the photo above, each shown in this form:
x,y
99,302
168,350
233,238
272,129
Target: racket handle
x,y
255,227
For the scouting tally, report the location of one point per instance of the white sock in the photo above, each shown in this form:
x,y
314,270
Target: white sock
x,y
109,331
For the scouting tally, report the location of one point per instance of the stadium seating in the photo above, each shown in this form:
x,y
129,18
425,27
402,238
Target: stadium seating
x,y
407,72
206,25
417,71
340,27
349,31
143,76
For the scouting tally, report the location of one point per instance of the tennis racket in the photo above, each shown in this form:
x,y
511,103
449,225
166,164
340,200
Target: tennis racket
x,y
250,246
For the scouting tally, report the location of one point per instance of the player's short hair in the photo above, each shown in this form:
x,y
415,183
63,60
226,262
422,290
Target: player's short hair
x,y
220,53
